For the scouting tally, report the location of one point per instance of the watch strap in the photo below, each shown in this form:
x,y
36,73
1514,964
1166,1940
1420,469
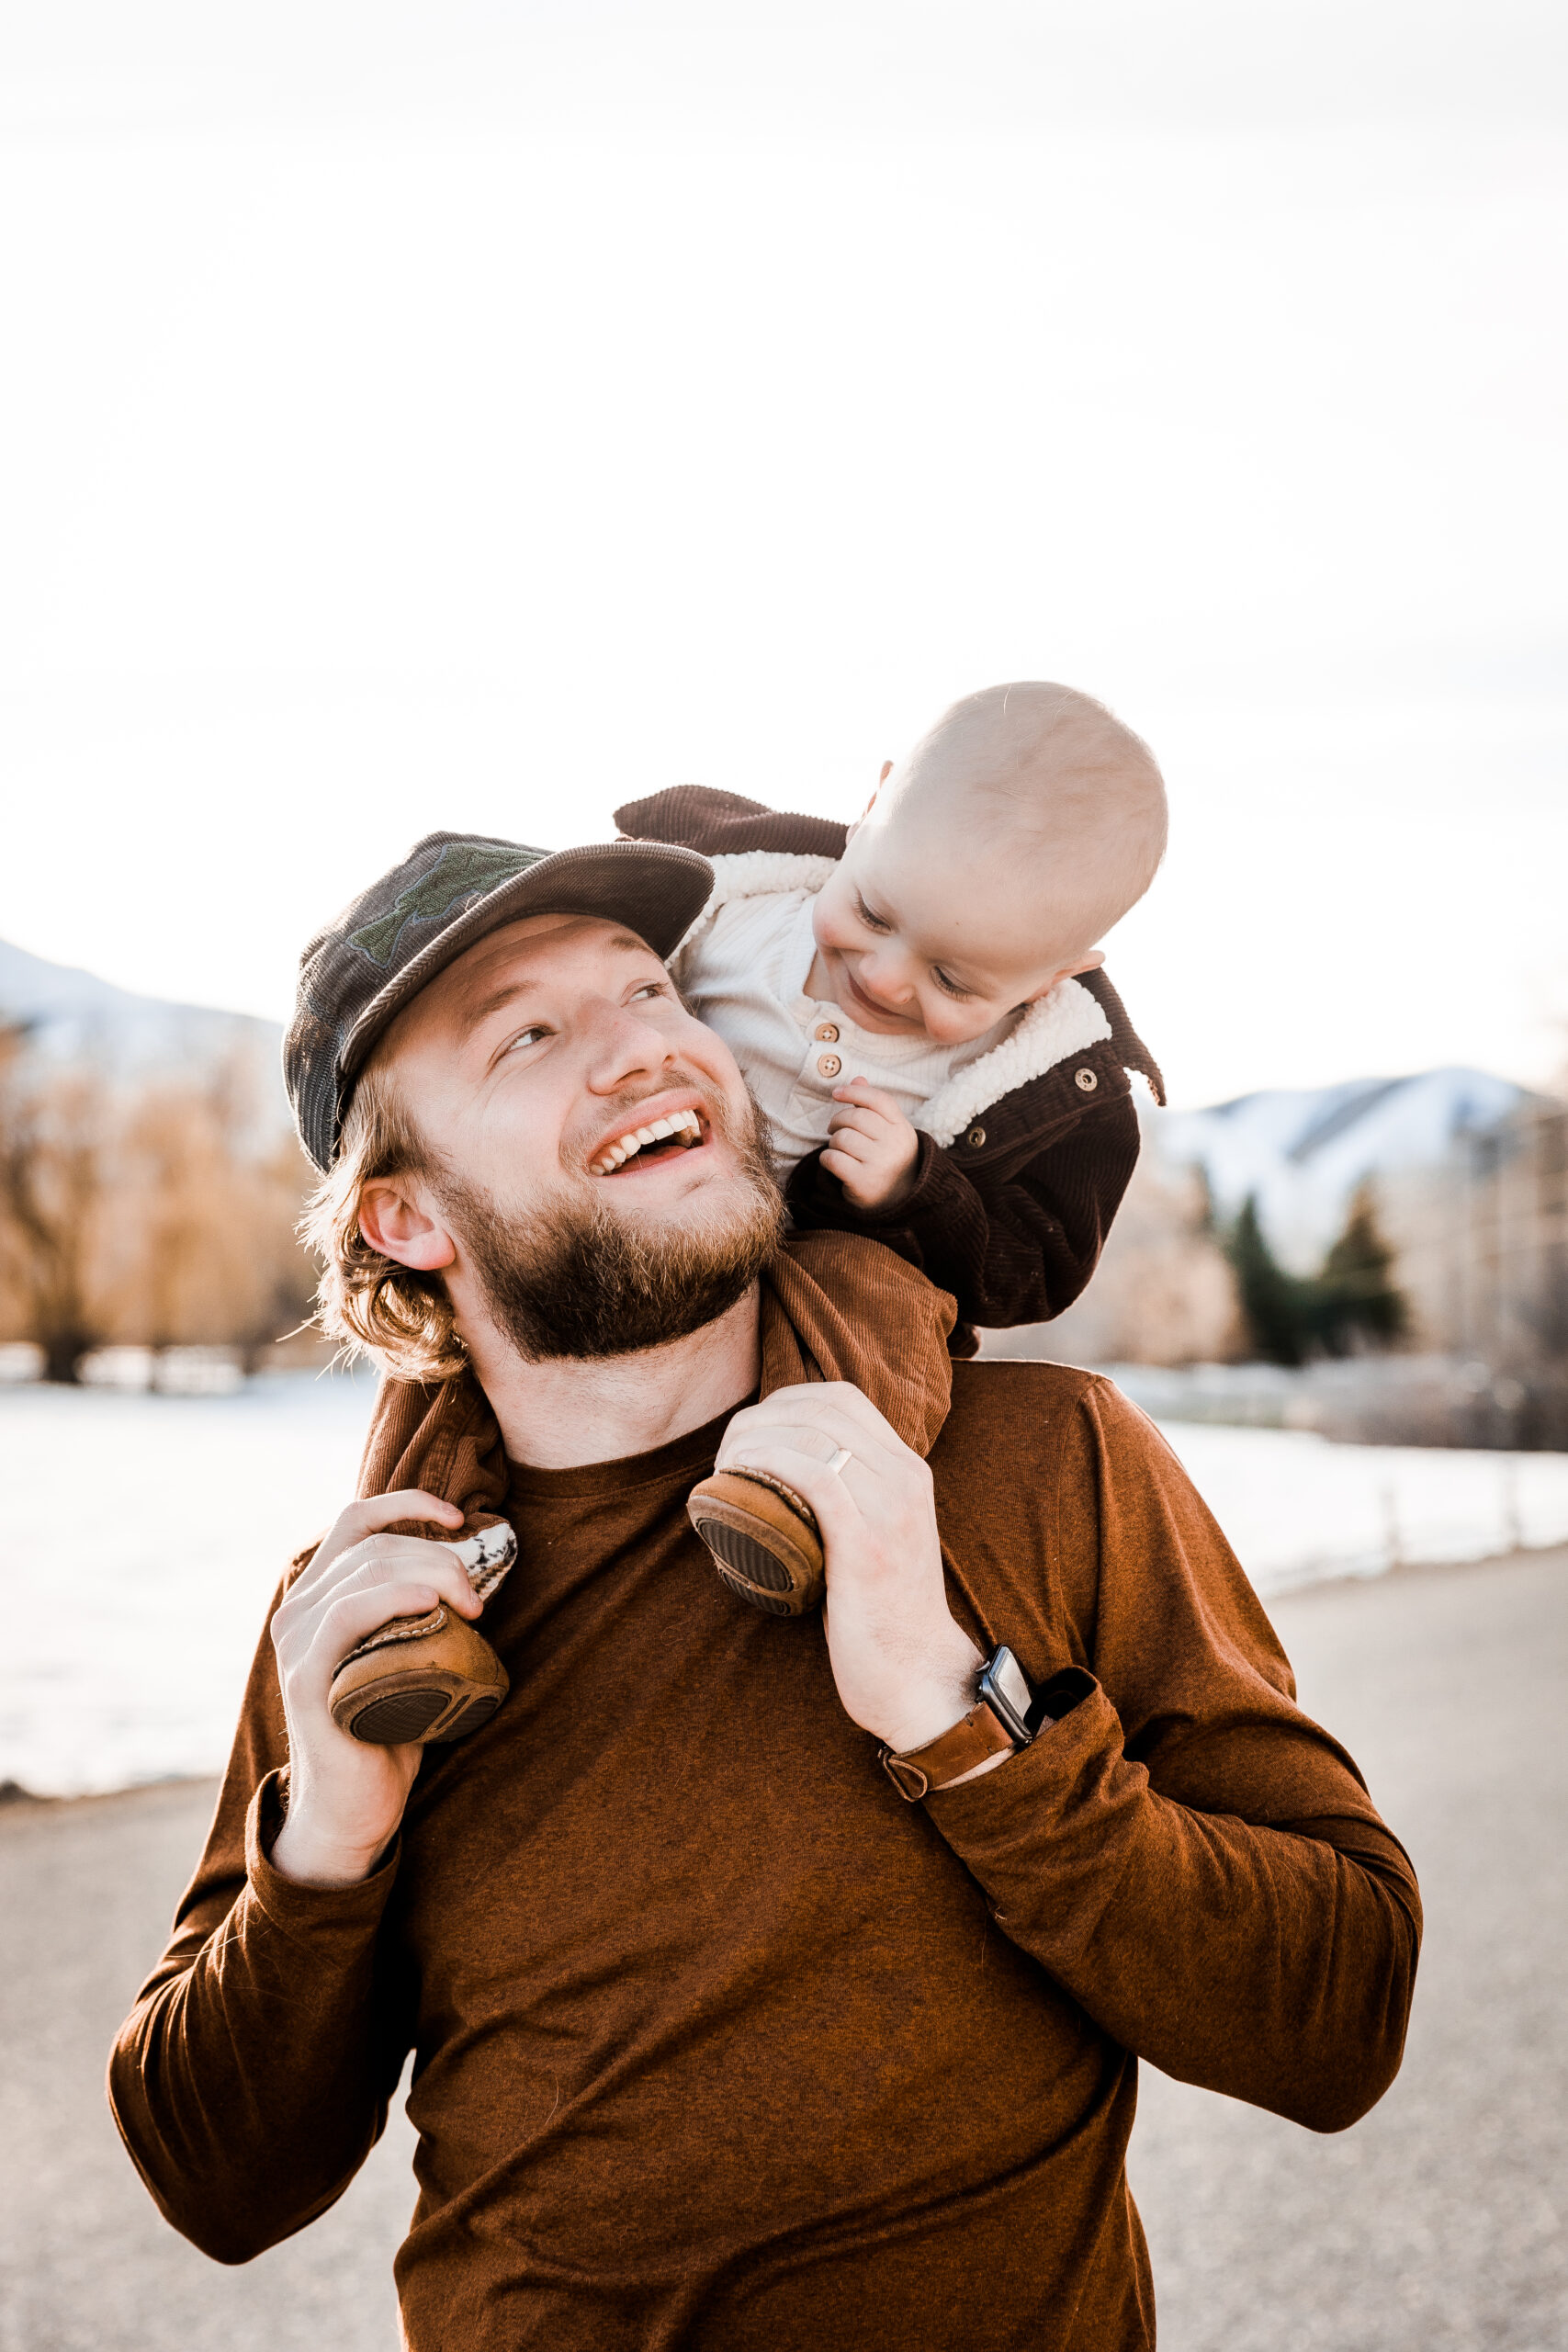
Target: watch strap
x,y
972,1740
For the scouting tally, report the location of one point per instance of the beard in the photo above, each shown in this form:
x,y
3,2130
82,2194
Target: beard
x,y
572,1279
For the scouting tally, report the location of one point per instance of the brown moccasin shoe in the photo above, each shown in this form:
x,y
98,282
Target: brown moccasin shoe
x,y
765,1541
433,1678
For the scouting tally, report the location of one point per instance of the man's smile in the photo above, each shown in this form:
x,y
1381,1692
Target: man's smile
x,y
644,1141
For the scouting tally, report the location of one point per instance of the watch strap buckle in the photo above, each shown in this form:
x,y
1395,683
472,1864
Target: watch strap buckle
x,y
974,1739
907,1778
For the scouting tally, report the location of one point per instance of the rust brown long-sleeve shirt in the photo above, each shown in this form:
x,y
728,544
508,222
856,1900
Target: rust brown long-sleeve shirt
x,y
717,2041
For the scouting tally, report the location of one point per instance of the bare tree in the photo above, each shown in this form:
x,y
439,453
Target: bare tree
x,y
213,1191
161,1216
53,1139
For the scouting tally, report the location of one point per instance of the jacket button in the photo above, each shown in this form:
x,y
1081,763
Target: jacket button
x,y
828,1066
975,1138
826,1033
1087,1080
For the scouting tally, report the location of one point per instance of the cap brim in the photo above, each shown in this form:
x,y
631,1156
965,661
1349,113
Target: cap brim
x,y
654,887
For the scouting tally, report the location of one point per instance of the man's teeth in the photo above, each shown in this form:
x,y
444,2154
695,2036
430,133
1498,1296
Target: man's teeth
x,y
684,1123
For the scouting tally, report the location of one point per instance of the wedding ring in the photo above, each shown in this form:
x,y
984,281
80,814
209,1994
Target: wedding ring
x,y
842,1456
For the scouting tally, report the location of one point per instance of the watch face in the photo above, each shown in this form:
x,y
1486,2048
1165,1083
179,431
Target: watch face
x,y
1011,1696
1007,1678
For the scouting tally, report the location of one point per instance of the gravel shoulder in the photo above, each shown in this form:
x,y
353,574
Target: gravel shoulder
x,y
1440,2223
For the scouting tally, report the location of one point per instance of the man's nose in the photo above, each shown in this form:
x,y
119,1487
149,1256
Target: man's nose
x,y
622,1048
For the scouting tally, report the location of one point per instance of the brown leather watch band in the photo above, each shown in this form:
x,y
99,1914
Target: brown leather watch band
x,y
971,1740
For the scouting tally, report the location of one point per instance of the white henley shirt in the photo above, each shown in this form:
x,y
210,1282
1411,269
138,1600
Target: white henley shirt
x,y
745,975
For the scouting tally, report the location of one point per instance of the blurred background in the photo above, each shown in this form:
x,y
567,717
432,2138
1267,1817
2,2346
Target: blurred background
x,y
472,418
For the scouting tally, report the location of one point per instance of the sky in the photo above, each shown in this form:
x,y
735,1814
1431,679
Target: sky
x,y
468,417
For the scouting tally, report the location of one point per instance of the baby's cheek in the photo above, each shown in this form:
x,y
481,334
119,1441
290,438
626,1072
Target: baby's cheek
x,y
831,913
823,928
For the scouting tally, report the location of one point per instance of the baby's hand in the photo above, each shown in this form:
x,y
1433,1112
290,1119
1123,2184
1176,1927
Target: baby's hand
x,y
873,1150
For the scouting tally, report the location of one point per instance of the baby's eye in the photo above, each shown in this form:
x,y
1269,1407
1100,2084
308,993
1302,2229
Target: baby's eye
x,y
871,922
949,986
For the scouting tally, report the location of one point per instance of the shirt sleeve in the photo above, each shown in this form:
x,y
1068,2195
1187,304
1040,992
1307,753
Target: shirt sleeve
x,y
1185,1853
253,2075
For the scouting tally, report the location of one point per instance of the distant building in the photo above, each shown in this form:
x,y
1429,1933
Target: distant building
x,y
1482,1243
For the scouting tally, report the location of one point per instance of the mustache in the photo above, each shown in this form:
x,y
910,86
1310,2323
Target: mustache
x,y
569,1276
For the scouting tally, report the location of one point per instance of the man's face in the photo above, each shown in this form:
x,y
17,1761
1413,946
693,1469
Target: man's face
x,y
531,1067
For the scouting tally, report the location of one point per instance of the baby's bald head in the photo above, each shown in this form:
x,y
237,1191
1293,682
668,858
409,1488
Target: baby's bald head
x,y
1046,780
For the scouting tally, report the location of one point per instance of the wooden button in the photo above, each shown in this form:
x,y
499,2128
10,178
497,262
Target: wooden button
x,y
1087,1080
975,1138
828,1066
826,1033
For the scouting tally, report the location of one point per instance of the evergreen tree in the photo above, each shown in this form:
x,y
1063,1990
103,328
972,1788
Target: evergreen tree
x,y
1353,1296
1358,1297
1278,1307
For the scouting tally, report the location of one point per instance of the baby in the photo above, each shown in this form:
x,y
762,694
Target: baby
x,y
917,1001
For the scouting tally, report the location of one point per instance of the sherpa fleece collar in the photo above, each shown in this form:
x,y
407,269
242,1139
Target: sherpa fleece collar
x,y
1061,1023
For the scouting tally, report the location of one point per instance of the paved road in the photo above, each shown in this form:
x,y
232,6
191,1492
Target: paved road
x,y
1439,2224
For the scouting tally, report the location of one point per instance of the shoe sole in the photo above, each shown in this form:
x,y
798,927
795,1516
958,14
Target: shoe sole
x,y
440,1685
404,1708
763,1539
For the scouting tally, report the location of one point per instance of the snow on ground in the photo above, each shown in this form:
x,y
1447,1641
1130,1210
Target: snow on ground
x,y
142,1536
1297,1507
141,1541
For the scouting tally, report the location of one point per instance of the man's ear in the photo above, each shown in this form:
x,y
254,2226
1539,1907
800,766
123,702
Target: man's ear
x,y
393,1223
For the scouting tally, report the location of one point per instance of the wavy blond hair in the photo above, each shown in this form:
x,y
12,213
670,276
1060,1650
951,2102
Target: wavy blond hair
x,y
366,1301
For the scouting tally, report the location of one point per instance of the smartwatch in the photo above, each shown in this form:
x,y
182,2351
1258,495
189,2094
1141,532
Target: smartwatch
x,y
1007,1715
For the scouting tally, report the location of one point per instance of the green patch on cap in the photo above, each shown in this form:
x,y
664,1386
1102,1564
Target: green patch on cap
x,y
465,871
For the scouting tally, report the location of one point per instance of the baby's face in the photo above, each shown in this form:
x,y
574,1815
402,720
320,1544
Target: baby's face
x,y
920,933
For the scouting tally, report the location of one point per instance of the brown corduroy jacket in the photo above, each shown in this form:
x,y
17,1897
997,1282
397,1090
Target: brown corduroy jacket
x,y
1012,1215
718,2044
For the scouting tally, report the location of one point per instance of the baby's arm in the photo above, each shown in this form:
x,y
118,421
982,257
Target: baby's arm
x,y
1013,1233
874,1148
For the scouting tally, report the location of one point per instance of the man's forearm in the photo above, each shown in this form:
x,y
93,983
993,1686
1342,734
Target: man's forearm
x,y
1270,1964
252,2079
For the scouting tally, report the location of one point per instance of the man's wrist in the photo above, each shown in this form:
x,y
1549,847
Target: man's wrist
x,y
934,1701
306,1858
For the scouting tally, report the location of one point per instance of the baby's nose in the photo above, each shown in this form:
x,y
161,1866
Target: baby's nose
x,y
889,981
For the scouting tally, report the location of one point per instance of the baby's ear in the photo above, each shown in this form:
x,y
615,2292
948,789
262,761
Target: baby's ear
x,y
887,772
1089,963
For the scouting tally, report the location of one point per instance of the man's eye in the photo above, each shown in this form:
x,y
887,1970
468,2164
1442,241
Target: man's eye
x,y
650,987
529,1036
871,922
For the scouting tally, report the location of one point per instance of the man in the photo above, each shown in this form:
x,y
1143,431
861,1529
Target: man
x,y
768,1984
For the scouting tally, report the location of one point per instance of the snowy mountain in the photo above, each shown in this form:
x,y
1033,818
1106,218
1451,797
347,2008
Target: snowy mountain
x,y
73,1016
1304,1153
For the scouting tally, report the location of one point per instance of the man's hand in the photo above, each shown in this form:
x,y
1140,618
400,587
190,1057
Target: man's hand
x,y
345,1797
873,1150
905,1670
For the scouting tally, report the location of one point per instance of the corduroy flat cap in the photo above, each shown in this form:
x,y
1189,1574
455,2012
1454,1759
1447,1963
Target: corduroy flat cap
x,y
358,973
